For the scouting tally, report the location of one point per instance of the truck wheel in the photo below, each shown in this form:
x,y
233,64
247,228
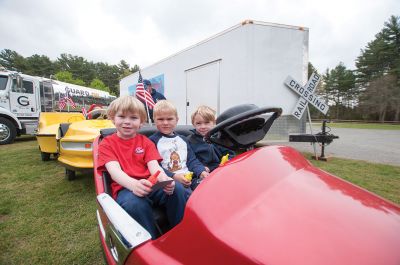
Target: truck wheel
x,y
70,174
8,132
45,156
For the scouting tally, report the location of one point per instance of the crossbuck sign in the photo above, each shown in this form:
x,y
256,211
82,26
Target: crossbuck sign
x,y
306,95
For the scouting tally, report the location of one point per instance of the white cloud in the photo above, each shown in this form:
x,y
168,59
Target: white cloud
x,y
143,32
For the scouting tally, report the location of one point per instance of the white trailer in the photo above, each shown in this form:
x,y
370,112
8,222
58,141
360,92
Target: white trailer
x,y
24,97
247,63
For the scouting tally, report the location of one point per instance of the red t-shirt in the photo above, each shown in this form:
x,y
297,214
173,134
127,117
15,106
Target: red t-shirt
x,y
132,155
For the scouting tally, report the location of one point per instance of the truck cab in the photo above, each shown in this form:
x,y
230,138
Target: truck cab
x,y
22,98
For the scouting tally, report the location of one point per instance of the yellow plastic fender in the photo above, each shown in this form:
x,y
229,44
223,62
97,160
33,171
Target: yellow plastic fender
x,y
49,122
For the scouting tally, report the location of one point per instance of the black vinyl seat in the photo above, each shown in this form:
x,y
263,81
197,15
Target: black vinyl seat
x,y
150,130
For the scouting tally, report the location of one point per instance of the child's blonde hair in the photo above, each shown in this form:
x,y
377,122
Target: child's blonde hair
x,y
207,113
163,106
127,104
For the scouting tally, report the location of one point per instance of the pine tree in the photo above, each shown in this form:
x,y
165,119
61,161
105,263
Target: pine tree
x,y
378,72
339,86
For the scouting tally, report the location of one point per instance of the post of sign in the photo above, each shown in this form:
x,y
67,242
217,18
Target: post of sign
x,y
307,95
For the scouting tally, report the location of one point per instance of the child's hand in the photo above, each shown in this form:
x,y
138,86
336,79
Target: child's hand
x,y
142,187
204,174
169,189
182,179
207,169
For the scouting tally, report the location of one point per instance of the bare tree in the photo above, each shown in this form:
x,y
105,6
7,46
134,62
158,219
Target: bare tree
x,y
381,95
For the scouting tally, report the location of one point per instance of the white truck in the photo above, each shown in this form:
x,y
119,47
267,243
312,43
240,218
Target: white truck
x,y
24,97
247,63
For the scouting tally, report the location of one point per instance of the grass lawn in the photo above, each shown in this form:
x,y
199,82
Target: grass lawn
x,y
45,219
383,180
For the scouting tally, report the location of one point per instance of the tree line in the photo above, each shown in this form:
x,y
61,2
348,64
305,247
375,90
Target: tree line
x,y
369,92
69,68
372,90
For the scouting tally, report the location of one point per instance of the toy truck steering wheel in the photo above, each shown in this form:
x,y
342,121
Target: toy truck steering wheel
x,y
242,126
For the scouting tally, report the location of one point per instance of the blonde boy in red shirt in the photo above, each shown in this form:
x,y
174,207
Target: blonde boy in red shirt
x,y
131,158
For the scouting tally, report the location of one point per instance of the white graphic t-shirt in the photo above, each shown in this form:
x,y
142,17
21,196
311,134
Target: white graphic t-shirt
x,y
174,154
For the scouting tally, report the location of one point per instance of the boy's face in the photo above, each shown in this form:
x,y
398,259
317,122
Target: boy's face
x,y
166,122
201,125
127,124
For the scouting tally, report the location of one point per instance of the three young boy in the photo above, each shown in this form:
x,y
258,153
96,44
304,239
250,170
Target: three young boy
x,y
131,158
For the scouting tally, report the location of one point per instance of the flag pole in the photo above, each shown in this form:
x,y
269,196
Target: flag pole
x,y
140,81
67,96
147,110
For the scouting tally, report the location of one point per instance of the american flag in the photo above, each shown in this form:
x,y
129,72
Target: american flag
x,y
71,102
62,103
68,99
142,94
84,112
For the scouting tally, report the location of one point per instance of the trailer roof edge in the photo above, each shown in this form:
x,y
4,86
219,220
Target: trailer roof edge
x,y
241,24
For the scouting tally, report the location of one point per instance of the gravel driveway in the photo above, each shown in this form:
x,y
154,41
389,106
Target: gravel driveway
x,y
378,146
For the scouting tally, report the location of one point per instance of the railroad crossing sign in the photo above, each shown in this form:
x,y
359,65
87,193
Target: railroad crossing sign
x,y
306,95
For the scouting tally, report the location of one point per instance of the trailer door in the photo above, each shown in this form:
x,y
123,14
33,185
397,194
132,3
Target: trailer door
x,y
202,87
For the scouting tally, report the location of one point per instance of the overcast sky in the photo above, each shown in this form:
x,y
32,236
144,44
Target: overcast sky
x,y
144,32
